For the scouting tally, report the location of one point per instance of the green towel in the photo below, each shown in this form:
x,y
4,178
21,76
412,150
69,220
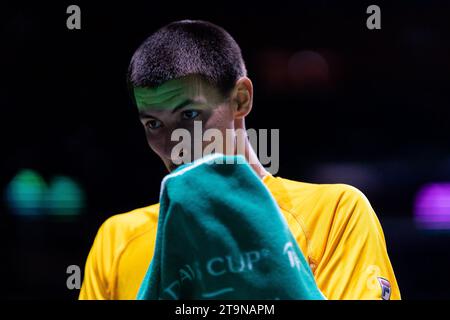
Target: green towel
x,y
221,235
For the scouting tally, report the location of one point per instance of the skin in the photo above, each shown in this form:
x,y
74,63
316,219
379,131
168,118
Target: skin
x,y
179,102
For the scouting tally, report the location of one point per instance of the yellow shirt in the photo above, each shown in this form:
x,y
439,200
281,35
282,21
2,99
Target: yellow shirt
x,y
334,225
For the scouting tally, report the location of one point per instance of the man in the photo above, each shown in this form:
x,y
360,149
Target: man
x,y
193,71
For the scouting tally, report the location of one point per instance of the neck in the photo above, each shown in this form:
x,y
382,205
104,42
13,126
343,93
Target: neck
x,y
254,162
248,152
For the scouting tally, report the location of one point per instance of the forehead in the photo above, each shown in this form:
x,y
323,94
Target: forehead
x,y
174,92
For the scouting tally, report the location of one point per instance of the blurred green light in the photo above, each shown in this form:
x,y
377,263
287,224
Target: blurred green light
x,y
28,195
25,192
64,197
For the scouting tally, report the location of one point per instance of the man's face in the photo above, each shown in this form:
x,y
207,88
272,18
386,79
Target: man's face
x,y
177,104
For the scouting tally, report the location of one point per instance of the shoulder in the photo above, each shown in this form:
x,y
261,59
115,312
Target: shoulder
x,y
323,208
327,212
123,227
118,231
297,194
113,237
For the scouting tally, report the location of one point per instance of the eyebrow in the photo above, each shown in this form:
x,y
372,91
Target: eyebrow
x,y
179,106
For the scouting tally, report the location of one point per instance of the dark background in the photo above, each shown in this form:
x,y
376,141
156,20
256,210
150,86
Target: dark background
x,y
370,109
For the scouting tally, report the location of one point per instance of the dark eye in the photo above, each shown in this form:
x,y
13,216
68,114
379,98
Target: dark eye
x,y
153,124
189,114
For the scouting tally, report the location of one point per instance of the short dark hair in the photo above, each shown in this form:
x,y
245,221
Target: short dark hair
x,y
187,47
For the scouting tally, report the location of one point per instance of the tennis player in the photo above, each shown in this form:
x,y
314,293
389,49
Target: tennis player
x,y
191,71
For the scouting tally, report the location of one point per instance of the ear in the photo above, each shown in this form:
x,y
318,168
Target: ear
x,y
242,97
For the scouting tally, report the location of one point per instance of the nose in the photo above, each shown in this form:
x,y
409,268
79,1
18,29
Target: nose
x,y
173,147
175,151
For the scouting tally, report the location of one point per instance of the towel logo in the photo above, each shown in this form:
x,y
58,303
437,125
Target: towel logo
x,y
235,264
292,255
385,288
214,267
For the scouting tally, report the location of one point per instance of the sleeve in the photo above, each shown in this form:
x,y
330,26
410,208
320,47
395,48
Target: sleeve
x,y
355,263
96,284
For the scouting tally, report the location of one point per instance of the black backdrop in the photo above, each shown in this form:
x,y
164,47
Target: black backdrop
x,y
381,105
